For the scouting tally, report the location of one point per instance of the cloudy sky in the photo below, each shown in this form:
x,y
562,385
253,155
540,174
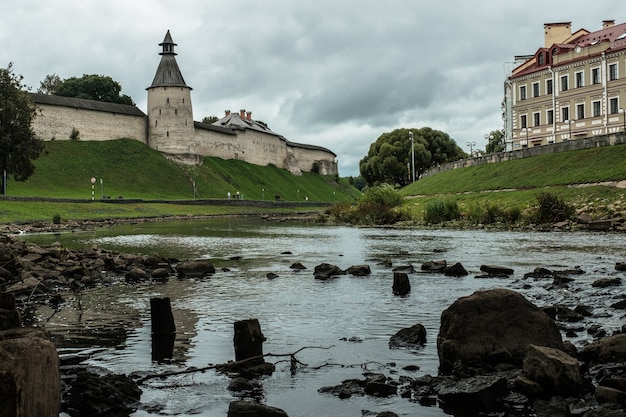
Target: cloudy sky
x,y
335,73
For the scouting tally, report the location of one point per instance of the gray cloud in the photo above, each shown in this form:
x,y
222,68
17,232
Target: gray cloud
x,y
333,73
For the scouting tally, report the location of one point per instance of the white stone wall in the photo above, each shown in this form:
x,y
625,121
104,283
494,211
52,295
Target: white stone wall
x,y
307,157
57,122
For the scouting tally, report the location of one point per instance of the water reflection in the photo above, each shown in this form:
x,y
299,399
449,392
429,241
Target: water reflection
x,y
296,310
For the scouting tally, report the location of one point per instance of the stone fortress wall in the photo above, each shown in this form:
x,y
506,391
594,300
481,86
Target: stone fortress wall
x,y
169,127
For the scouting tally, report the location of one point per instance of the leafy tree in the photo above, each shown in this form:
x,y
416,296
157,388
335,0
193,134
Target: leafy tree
x,y
389,158
495,142
50,84
18,144
210,119
94,87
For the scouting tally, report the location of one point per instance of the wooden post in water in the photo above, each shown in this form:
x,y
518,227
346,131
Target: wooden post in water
x,y
163,329
9,316
248,339
401,283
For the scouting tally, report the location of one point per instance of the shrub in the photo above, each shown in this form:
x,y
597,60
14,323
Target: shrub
x,y
75,135
441,211
56,219
384,195
551,209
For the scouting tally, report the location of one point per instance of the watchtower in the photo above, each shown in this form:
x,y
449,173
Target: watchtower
x,y
170,115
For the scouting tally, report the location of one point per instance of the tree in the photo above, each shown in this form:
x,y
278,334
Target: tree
x,y
94,87
389,158
50,84
495,142
209,120
18,143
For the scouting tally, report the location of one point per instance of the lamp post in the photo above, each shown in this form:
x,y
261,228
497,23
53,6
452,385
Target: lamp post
x,y
569,123
623,111
412,157
471,146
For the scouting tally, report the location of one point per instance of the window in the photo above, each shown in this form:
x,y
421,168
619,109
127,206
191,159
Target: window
x,y
535,89
580,79
564,83
597,109
536,119
564,114
580,111
542,60
549,86
523,121
613,72
550,117
522,92
595,75
614,105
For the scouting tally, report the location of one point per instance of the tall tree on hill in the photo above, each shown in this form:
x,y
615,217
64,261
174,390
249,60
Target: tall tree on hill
x,y
18,143
50,84
389,158
94,87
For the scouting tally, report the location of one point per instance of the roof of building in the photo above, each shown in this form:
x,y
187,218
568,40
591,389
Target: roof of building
x,y
85,104
214,128
311,147
236,121
168,73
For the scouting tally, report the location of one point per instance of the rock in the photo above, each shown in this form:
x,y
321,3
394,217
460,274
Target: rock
x,y
103,395
456,270
407,269
196,268
479,393
600,225
434,266
610,395
297,266
239,384
412,337
496,270
538,273
401,284
346,389
609,349
620,266
160,274
271,275
554,370
325,271
29,373
136,275
567,314
359,270
584,218
619,305
606,282
475,327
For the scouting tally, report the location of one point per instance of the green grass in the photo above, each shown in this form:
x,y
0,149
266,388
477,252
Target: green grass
x,y
130,169
517,183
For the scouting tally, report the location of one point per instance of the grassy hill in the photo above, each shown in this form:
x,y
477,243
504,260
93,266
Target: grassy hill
x,y
130,169
578,177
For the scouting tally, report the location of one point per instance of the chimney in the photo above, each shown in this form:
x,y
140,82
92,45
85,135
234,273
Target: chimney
x,y
226,113
249,115
608,24
242,113
556,33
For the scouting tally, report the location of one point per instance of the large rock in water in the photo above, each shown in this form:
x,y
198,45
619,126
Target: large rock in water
x,y
491,327
30,384
252,409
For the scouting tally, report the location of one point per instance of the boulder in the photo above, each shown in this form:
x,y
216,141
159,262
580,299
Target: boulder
x,y
251,409
411,337
496,270
195,268
359,270
325,271
136,275
606,282
456,270
434,266
554,370
476,327
609,349
620,266
30,384
479,393
297,266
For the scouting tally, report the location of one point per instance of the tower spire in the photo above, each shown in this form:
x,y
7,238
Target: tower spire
x,y
168,73
168,45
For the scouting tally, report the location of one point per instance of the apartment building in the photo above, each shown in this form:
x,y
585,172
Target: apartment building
x,y
573,87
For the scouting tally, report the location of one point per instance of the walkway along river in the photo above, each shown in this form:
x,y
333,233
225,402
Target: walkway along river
x,y
354,316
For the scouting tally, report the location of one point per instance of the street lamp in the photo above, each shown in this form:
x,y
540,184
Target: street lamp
x,y
412,157
471,146
623,111
569,123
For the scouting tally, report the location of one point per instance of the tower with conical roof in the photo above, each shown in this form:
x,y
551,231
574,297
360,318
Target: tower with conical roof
x,y
170,115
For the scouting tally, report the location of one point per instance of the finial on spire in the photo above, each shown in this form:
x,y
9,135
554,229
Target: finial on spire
x,y
168,45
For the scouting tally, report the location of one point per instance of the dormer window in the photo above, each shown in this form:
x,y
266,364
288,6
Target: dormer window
x,y
541,59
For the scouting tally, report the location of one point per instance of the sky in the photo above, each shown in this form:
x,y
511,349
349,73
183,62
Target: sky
x,y
336,74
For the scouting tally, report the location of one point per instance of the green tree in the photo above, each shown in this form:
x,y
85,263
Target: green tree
x,y
210,119
18,143
50,84
94,87
495,142
389,158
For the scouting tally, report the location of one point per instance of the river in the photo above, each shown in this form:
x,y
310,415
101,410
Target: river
x,y
350,317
